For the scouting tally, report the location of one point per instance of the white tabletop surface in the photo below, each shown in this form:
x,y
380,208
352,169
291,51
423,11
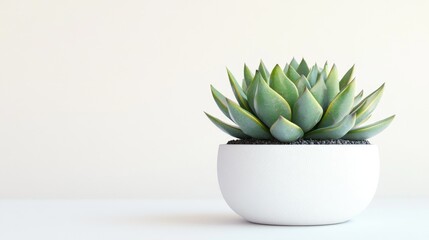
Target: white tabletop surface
x,y
194,219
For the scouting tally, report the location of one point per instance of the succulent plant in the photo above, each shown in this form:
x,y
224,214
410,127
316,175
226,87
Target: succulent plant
x,y
298,102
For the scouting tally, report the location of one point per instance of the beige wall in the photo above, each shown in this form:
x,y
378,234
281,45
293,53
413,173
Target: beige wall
x,y
106,98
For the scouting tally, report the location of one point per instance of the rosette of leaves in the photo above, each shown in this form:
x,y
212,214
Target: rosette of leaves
x,y
298,101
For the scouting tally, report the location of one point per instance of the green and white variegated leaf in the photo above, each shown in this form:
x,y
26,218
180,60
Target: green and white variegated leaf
x,y
307,112
319,91
369,131
294,63
220,100
238,91
247,122
248,75
312,75
292,74
264,71
280,83
347,78
332,84
340,106
230,129
369,104
335,131
269,105
303,68
285,131
302,84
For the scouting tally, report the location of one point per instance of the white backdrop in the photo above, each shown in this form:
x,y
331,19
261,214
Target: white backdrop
x,y
106,98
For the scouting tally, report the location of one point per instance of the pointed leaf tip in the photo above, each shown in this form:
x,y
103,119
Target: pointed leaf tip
x,y
312,75
238,91
332,84
340,106
269,105
294,63
303,68
292,74
227,128
247,122
264,71
280,83
248,75
347,78
306,112
370,130
220,100
368,105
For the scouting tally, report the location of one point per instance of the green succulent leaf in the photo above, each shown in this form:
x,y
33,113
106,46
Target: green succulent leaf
x,y
231,130
357,106
335,131
362,121
326,70
269,105
312,75
298,101
248,75
244,86
340,106
280,83
286,131
332,84
307,112
292,74
247,122
251,90
369,131
358,98
285,68
220,100
303,68
302,84
238,91
264,71
347,78
319,91
326,66
369,104
294,63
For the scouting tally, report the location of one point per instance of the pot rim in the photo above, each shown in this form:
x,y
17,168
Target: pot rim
x,y
301,145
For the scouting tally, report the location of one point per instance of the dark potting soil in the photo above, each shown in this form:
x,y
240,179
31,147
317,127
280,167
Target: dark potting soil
x,y
300,142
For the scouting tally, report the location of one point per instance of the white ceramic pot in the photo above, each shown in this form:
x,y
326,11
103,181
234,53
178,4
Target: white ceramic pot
x,y
298,184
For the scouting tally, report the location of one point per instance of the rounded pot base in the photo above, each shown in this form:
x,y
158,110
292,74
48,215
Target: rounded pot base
x,y
292,224
298,185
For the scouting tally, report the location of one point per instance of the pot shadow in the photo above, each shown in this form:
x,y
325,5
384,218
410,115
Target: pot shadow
x,y
180,219
203,220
